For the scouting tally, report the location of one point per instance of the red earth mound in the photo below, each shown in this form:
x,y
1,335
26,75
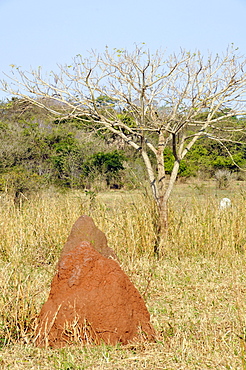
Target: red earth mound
x,y
91,301
84,229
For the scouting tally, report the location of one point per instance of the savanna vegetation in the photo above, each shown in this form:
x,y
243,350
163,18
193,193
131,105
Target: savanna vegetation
x,y
38,151
151,102
195,292
94,152
51,173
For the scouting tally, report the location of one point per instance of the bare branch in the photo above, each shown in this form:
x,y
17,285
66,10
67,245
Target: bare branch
x,y
156,101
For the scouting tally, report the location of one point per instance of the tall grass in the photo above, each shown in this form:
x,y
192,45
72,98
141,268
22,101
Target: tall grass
x,y
200,227
204,247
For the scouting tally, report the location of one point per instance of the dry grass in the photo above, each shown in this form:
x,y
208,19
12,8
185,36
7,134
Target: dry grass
x,y
195,292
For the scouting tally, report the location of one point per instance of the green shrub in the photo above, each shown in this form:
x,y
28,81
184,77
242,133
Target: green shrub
x,y
186,168
107,164
66,157
19,182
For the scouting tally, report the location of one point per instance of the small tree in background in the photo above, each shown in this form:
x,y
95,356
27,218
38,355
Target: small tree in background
x,y
108,165
148,100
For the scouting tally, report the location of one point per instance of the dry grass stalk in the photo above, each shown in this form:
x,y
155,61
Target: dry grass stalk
x,y
195,293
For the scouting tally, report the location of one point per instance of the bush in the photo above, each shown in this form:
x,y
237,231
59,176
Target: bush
x,y
107,164
224,178
19,183
66,159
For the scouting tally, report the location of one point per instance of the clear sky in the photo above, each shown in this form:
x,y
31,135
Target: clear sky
x,y
50,32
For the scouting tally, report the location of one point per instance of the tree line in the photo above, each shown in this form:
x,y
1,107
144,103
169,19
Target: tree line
x,y
159,108
38,150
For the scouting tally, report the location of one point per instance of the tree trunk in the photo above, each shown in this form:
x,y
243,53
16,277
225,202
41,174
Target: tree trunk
x,y
160,191
162,205
162,228
164,195
151,175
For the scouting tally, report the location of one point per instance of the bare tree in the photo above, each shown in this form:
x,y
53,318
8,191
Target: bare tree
x,y
171,101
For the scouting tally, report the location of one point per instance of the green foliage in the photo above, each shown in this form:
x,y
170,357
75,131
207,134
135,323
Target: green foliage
x,y
3,126
79,123
57,152
107,164
185,170
208,157
127,119
65,158
19,182
105,101
66,153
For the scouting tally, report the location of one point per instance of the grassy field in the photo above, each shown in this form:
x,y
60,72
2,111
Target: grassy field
x,y
195,291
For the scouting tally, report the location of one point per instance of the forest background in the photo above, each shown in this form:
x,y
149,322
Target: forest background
x,y
38,151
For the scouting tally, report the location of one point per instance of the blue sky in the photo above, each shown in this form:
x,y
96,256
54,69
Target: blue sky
x,y
52,32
